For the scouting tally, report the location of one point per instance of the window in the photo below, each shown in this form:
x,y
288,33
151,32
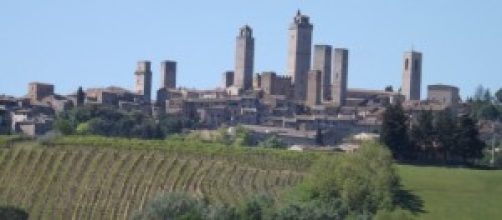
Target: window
x,y
406,63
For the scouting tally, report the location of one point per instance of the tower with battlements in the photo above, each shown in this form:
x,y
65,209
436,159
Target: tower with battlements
x,y
412,75
299,54
244,59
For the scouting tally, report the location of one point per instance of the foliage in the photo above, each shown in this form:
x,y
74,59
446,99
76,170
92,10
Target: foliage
x,y
13,213
109,121
242,136
394,131
180,205
498,95
468,145
364,181
272,141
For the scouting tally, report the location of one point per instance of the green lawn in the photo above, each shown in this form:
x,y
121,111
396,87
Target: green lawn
x,y
454,193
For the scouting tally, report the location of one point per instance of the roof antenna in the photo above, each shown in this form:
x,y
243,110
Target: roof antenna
x,y
298,13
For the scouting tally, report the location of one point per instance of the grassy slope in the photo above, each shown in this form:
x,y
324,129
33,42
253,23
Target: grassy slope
x,y
455,193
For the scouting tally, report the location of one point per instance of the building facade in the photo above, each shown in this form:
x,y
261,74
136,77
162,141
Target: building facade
x,y
314,88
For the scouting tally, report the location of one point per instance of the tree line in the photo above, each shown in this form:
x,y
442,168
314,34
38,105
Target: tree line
x,y
110,121
431,136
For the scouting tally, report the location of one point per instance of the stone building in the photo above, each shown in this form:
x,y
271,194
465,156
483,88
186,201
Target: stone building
x,y
37,91
314,88
322,62
168,74
228,79
443,94
272,84
340,76
299,54
412,75
244,59
144,80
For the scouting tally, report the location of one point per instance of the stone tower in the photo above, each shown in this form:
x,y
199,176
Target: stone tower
x,y
412,75
168,74
340,75
228,79
299,54
322,62
144,80
244,58
314,88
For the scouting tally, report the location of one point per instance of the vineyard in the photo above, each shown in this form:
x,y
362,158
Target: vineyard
x,y
86,181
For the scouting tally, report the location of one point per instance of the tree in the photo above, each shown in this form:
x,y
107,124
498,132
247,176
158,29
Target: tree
x,y
13,213
178,205
468,145
394,131
64,126
445,138
389,88
421,134
498,95
488,112
80,96
272,142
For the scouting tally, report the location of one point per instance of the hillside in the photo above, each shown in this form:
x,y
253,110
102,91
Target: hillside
x,y
454,193
77,182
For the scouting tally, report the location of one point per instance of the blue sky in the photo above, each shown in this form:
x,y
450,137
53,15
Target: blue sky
x,y
97,42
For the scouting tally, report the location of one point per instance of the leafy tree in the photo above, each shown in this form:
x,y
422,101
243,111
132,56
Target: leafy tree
x,y
422,133
242,136
445,128
468,145
179,205
13,213
488,112
498,95
394,131
364,181
64,126
272,141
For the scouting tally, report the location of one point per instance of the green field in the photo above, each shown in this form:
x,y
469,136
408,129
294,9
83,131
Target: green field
x,y
454,193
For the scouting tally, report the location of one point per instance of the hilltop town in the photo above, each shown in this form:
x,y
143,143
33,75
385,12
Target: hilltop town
x,y
311,97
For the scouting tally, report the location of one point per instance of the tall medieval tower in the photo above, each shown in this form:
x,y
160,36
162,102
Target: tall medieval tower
x,y
299,54
322,62
244,58
412,75
144,80
340,75
168,74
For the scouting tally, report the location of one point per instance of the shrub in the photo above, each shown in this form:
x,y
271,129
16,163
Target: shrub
x,y
364,181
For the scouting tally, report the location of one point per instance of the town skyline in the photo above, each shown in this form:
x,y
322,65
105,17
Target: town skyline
x,y
191,73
